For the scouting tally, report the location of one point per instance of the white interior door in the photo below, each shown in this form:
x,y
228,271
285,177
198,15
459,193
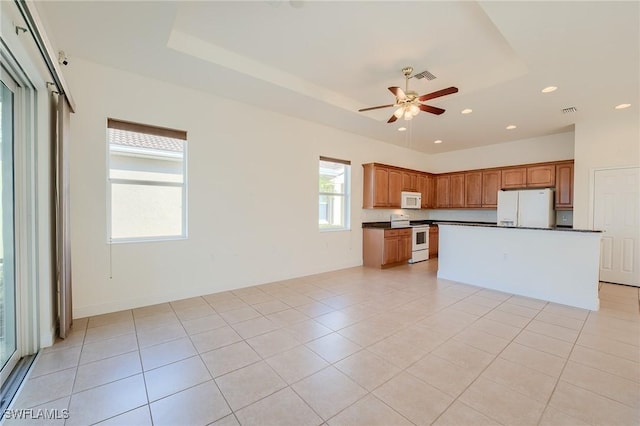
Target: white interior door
x,y
617,213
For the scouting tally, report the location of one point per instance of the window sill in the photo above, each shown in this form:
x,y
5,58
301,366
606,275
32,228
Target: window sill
x,y
147,240
334,229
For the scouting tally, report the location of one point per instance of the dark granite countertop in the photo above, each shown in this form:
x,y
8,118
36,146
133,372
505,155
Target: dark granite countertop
x,y
493,225
387,225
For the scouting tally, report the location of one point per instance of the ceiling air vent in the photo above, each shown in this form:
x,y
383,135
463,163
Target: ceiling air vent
x,y
569,110
424,74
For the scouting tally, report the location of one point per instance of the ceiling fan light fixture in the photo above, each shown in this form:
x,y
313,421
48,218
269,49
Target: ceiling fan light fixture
x,y
407,114
399,112
414,109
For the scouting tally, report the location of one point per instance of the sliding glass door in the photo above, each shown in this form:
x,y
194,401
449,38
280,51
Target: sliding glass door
x,y
8,306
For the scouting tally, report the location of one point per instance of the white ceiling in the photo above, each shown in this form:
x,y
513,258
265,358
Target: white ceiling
x,y
322,61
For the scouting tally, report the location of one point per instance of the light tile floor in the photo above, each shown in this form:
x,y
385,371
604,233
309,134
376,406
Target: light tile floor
x,y
352,347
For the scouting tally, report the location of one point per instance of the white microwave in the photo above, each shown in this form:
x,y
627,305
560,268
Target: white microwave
x,y
411,200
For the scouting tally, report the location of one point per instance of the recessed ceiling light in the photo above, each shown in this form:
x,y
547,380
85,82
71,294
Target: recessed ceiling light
x,y
466,111
511,127
623,106
438,141
402,129
549,89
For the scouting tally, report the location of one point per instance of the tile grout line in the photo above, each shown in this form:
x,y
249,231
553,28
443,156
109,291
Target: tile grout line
x,y
487,366
564,366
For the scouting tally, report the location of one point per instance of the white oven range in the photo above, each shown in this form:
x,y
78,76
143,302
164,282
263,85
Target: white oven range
x,y
419,243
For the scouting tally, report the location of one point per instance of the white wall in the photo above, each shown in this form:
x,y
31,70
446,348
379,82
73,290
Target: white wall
x,y
555,147
612,142
252,194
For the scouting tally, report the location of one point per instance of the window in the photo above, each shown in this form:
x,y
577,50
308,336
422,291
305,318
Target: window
x,y
334,190
147,182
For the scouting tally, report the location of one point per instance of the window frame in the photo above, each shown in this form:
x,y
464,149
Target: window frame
x,y
346,194
158,131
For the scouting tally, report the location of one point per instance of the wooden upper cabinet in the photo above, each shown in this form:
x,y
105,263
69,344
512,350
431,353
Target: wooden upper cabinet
x,y
442,191
473,189
426,189
409,181
376,186
382,186
395,188
457,190
490,187
564,186
542,176
514,177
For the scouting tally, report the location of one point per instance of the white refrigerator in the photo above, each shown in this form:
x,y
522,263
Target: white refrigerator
x,y
529,208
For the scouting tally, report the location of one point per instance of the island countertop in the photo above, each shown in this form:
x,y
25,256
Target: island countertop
x,y
493,225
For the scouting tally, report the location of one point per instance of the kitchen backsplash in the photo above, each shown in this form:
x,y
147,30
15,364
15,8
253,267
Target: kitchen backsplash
x,y
464,215
564,217
383,215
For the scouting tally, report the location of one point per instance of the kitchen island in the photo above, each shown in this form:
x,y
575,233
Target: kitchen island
x,y
558,265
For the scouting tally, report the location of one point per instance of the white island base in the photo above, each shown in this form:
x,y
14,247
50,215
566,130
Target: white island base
x,y
559,266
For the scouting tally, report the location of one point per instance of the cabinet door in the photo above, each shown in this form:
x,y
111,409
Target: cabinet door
x,y
564,186
381,187
442,192
473,189
490,187
543,176
409,181
456,197
423,189
391,250
514,178
404,247
395,188
433,241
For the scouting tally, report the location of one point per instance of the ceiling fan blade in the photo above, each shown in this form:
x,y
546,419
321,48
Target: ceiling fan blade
x,y
375,107
398,92
431,109
437,94
392,119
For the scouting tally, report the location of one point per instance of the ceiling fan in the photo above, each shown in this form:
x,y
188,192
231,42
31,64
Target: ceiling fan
x,y
408,102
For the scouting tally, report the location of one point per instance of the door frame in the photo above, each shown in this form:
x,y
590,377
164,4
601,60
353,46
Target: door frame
x,y
26,232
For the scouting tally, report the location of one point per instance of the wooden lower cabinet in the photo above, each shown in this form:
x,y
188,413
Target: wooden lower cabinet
x,y
433,241
383,248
